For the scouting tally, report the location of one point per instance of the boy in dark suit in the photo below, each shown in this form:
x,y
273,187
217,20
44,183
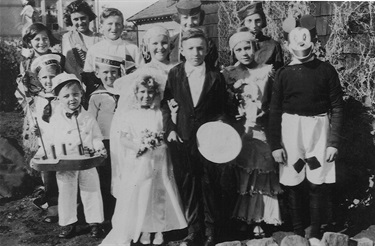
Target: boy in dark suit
x,y
201,96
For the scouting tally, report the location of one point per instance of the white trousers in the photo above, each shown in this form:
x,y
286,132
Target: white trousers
x,y
87,181
305,138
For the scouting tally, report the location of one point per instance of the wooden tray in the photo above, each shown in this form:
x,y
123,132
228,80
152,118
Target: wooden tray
x,y
66,163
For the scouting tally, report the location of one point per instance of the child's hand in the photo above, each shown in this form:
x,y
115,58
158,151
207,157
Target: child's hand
x,y
173,106
173,137
280,156
331,153
35,130
102,152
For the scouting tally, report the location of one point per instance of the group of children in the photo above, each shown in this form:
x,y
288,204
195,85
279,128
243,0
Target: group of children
x,y
155,180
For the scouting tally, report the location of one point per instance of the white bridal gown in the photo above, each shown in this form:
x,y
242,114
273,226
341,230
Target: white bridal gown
x,y
147,199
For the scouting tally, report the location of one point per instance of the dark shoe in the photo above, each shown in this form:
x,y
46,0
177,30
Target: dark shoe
x,y
95,231
68,231
40,203
210,241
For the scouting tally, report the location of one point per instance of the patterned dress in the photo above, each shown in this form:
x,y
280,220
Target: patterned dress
x,y
256,171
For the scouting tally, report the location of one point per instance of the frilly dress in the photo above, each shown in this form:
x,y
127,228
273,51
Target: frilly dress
x,y
126,102
148,200
258,183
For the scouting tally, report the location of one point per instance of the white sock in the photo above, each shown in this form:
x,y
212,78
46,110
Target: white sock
x,y
145,238
158,239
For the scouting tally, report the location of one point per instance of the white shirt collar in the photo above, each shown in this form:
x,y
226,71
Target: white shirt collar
x,y
114,42
189,69
110,89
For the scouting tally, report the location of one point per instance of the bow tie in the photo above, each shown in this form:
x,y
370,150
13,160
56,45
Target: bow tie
x,y
69,115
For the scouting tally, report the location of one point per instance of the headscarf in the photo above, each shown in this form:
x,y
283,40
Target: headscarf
x,y
239,37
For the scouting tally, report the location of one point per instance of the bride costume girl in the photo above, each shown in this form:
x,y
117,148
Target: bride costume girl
x,y
142,176
258,183
159,68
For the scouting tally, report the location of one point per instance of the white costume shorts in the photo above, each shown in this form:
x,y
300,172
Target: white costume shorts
x,y
305,142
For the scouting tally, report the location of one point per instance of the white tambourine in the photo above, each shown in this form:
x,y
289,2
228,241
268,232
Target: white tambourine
x,y
218,142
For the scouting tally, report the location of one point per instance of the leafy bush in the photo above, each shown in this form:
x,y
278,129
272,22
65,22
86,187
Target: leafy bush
x,y
9,69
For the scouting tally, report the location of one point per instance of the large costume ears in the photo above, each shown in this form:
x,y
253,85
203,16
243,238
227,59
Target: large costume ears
x,y
306,21
301,35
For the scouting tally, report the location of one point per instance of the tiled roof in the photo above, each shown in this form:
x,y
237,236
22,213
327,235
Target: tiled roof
x,y
160,10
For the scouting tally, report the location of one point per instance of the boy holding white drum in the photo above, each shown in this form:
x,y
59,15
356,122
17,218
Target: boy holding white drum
x,y
201,96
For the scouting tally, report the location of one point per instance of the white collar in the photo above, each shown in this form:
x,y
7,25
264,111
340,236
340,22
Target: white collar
x,y
114,42
110,89
189,69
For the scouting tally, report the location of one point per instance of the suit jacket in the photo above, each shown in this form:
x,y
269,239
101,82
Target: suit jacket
x,y
211,105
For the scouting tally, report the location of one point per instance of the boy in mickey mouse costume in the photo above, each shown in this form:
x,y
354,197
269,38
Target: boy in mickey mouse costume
x,y
305,122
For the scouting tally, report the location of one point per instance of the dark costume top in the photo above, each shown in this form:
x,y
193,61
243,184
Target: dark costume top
x,y
306,89
269,52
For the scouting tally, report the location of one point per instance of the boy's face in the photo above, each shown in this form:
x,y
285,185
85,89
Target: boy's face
x,y
40,43
70,97
244,52
112,27
189,21
159,47
254,23
145,96
107,74
45,77
194,50
80,21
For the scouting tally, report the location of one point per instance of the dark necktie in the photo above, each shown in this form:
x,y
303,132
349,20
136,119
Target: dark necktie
x,y
69,115
47,111
116,97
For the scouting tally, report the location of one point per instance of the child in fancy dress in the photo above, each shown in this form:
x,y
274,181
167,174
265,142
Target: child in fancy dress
x,y
156,48
305,122
102,105
258,183
201,95
73,127
112,25
37,41
45,68
148,202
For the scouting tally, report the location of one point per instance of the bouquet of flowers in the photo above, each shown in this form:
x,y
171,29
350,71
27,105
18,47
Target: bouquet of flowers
x,y
149,141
